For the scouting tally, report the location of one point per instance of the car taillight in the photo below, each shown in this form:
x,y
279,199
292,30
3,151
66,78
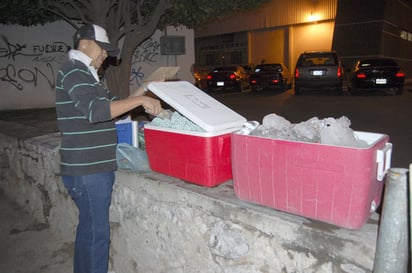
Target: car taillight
x,y
275,81
296,73
209,77
232,76
339,72
253,81
400,74
361,75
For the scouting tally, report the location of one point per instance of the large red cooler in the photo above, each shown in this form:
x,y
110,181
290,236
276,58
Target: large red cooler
x,y
202,158
334,184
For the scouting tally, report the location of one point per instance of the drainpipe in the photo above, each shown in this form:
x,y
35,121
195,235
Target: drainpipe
x,y
392,245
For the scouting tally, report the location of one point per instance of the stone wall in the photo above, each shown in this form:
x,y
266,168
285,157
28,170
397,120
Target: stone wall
x,y
161,224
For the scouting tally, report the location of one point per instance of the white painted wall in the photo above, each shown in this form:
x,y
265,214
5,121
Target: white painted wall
x,y
147,57
315,36
31,56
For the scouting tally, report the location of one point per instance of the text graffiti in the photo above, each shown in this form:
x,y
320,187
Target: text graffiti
x,y
147,52
58,47
16,77
12,50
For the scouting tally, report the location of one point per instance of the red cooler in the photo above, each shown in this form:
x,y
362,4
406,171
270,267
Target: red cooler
x,y
334,184
202,158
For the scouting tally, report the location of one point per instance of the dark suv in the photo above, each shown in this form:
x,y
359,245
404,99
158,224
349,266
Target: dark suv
x,y
318,70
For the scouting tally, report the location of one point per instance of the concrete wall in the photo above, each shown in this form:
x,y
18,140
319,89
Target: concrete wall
x,y
315,36
267,46
31,56
161,224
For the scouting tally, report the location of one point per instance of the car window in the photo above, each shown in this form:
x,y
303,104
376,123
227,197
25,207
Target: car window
x,y
378,62
318,60
268,68
225,69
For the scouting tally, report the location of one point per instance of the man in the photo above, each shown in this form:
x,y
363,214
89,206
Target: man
x,y
85,115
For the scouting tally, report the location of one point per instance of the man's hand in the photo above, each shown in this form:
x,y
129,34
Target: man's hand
x,y
152,106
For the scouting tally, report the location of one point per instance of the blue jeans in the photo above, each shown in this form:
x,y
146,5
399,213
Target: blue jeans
x,y
92,195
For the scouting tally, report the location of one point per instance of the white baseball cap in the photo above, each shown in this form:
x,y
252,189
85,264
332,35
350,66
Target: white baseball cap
x,y
99,35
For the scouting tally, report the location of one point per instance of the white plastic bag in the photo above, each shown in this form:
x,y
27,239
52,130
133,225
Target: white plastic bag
x,y
131,158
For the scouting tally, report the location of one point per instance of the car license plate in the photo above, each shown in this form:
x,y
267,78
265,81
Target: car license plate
x,y
317,72
220,83
380,81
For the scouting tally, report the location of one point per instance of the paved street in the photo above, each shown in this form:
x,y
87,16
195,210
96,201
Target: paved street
x,y
378,112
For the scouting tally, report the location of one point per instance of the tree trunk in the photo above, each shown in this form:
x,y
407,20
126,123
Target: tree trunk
x,y
118,80
118,77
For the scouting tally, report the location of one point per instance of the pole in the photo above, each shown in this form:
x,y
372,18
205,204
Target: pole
x,y
392,245
410,210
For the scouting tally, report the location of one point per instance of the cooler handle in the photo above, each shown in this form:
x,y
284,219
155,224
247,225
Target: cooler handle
x,y
383,158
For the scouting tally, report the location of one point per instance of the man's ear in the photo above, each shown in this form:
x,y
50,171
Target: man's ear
x,y
83,44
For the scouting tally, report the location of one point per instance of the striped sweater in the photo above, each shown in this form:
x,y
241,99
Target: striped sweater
x,y
88,132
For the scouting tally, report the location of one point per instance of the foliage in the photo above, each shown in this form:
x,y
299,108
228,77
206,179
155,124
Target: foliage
x,y
131,21
24,12
193,13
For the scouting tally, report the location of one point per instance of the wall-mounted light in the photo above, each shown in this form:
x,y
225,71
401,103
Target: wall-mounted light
x,y
313,17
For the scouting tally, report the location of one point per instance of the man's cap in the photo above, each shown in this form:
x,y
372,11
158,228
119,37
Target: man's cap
x,y
99,35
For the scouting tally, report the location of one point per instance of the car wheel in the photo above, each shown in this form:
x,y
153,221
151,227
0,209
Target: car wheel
x,y
353,91
241,86
289,85
298,91
283,86
245,86
339,91
399,91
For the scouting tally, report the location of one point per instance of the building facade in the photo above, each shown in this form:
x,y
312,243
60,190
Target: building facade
x,y
281,29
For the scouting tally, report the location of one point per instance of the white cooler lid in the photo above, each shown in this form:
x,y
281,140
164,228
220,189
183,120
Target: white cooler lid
x,y
205,111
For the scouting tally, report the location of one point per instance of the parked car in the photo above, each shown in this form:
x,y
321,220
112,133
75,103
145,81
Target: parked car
x,y
318,70
200,75
376,74
273,75
228,77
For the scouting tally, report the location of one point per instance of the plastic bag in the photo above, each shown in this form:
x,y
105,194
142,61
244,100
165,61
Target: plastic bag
x,y
131,158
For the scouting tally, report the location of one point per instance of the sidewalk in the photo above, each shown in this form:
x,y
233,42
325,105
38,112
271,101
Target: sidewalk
x,y
29,247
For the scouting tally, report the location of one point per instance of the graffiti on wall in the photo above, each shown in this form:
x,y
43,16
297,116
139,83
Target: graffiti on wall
x,y
16,77
147,53
41,61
